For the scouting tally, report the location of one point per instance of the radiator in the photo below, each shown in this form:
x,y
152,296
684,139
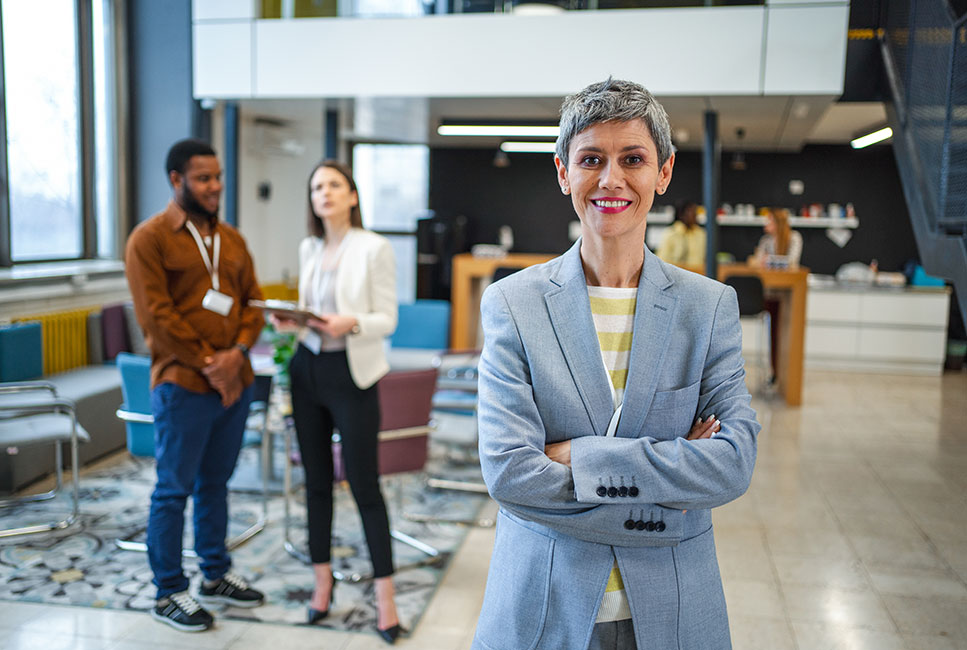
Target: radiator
x,y
64,338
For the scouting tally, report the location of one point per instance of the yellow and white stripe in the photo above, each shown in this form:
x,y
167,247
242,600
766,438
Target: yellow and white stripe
x,y
613,312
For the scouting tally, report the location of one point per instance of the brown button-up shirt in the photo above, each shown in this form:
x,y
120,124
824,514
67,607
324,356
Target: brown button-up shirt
x,y
169,279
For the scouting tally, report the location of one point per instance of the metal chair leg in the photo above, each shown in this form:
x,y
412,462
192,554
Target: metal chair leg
x,y
75,491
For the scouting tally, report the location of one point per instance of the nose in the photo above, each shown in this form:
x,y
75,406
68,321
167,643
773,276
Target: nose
x,y
611,176
217,185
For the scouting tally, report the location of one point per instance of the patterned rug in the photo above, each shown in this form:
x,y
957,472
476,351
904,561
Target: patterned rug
x,y
83,566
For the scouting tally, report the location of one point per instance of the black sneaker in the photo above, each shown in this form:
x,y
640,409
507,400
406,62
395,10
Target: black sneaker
x,y
231,589
182,612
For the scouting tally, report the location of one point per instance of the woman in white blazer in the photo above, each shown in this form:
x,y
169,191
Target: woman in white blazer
x,y
612,412
347,275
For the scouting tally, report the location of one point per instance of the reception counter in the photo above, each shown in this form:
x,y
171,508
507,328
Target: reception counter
x,y
788,286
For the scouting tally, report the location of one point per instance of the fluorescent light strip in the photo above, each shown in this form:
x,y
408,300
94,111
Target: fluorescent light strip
x,y
528,147
872,138
499,131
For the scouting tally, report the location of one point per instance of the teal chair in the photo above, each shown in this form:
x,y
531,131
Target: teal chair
x,y
423,324
135,372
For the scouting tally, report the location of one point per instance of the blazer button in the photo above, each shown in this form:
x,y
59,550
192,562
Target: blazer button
x,y
660,527
612,491
633,491
650,526
630,524
623,491
640,525
602,490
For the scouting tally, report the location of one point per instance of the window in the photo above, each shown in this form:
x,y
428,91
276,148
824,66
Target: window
x,y
394,185
58,132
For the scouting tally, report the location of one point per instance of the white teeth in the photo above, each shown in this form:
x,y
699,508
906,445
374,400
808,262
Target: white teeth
x,y
611,204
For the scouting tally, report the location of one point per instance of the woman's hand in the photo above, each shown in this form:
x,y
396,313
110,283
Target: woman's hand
x,y
559,452
705,429
333,325
283,324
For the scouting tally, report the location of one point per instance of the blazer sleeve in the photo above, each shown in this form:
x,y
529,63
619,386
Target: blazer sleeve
x,y
380,320
511,435
680,473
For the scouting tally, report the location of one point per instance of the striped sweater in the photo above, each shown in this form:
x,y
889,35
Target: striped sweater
x,y
613,311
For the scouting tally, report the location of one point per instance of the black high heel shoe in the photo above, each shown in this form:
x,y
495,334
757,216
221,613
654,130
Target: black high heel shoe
x,y
390,634
316,615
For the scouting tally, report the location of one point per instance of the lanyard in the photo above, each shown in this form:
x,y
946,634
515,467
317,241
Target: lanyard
x,y
212,268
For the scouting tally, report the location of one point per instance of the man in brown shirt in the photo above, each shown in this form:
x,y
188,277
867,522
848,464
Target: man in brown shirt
x,y
191,278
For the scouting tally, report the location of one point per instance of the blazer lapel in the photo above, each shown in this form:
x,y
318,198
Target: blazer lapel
x,y
654,314
570,313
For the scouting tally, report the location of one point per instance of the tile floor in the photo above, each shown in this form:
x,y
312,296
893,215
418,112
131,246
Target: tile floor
x,y
853,536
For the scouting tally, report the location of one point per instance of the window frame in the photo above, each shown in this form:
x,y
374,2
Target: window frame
x,y
87,169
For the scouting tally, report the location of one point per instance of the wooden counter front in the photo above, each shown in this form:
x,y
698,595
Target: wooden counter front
x,y
790,287
465,291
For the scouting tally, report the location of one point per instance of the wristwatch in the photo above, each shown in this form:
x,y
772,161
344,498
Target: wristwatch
x,y
355,329
243,348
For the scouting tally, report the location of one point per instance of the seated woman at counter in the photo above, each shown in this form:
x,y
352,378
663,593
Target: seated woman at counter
x,y
684,242
780,240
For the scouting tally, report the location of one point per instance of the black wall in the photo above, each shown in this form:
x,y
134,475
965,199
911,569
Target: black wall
x,y
526,197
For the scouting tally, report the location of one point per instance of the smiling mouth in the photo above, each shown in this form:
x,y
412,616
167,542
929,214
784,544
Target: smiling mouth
x,y
611,204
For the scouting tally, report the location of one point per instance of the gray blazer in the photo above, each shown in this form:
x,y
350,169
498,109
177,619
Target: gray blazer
x,y
542,380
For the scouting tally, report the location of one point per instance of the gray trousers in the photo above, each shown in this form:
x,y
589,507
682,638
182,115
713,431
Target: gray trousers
x,y
618,635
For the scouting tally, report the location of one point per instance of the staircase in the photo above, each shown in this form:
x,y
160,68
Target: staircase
x,y
924,48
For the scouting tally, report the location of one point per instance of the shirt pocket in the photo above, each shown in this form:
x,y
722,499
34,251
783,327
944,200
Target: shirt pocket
x,y
672,412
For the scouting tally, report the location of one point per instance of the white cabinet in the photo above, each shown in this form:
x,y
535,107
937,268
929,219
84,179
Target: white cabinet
x,y
879,330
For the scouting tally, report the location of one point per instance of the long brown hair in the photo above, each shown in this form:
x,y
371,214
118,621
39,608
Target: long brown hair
x,y
781,218
316,225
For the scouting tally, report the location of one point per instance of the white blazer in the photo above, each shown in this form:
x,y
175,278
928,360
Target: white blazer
x,y
366,290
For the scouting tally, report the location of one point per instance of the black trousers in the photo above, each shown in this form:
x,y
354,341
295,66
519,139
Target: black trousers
x,y
324,396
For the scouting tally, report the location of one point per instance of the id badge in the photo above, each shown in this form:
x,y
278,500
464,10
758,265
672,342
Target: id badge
x,y
217,302
312,340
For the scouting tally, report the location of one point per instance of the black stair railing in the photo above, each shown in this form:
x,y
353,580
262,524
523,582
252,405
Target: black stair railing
x,y
924,50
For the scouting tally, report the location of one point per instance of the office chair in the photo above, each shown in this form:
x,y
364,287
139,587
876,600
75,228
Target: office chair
x,y
751,297
422,324
32,414
502,272
404,402
138,421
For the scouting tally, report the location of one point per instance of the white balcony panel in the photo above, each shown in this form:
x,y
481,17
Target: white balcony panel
x,y
697,51
222,59
806,49
224,9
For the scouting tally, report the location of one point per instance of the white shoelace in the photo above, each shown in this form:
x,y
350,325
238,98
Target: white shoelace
x,y
235,580
184,601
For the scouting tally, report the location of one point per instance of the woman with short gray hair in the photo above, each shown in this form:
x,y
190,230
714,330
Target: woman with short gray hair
x,y
613,413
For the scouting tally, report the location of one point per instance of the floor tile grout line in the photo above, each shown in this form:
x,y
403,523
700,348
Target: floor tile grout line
x,y
866,571
924,535
782,594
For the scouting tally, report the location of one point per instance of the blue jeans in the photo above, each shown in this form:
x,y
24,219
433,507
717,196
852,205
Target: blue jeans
x,y
196,446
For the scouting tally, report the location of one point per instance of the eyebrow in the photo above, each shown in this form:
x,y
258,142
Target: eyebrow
x,y
630,147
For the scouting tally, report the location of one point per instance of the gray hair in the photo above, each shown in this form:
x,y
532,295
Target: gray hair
x,y
618,101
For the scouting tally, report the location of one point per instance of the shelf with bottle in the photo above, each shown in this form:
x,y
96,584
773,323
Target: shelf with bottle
x,y
666,215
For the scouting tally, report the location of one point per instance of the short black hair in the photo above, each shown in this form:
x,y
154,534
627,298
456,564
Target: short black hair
x,y
182,151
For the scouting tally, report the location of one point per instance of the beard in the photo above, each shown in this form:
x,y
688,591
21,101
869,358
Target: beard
x,y
192,205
